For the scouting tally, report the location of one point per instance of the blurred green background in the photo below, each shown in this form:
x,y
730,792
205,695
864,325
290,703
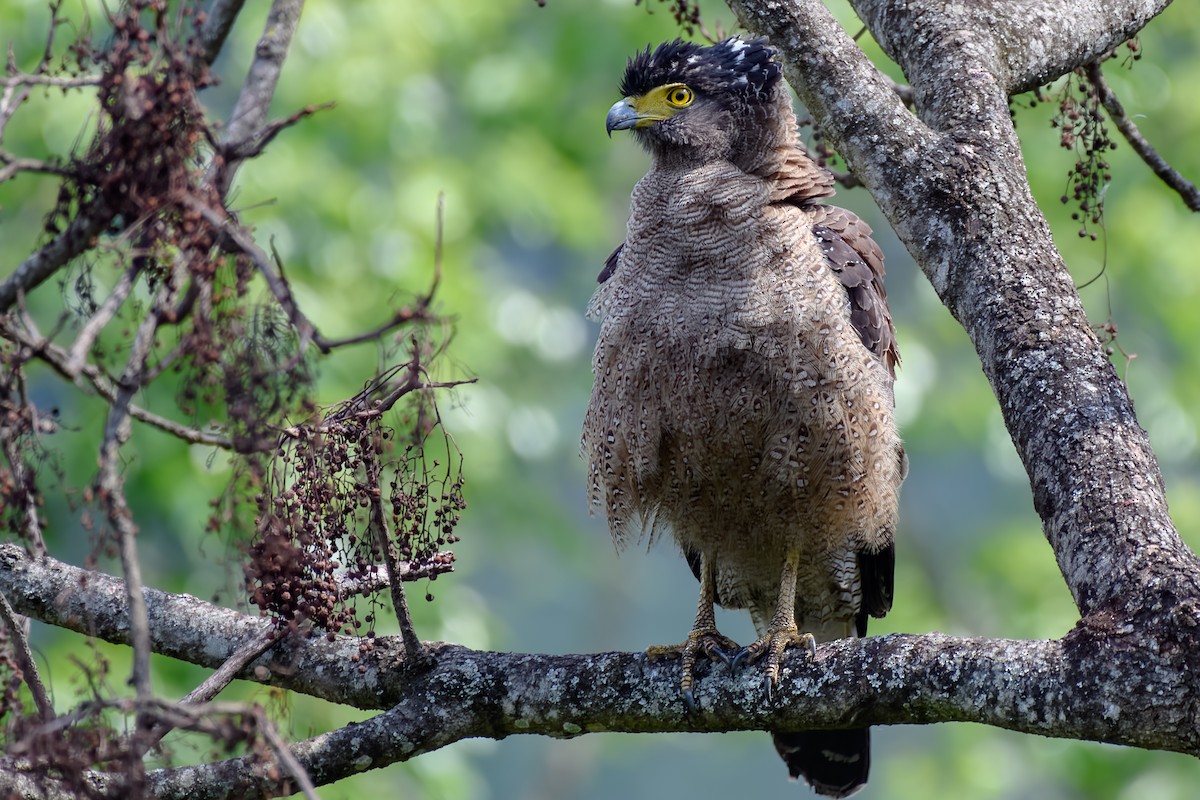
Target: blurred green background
x,y
500,106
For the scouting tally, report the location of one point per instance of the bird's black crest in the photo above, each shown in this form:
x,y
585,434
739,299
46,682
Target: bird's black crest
x,y
740,66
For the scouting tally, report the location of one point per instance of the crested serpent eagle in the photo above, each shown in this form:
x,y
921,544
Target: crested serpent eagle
x,y
743,376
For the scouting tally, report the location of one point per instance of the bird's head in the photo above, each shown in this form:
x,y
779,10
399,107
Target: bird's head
x,y
684,101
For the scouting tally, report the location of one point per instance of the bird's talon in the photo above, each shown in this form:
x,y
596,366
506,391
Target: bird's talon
x,y
716,653
811,641
704,640
739,658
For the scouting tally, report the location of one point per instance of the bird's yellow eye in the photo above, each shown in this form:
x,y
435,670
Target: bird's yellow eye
x,y
679,96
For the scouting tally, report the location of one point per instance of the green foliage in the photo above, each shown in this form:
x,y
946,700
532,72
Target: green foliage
x,y
500,106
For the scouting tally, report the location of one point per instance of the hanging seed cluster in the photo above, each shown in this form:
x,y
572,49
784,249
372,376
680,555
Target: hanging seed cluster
x,y
263,376
1083,128
334,485
144,160
1082,123
148,166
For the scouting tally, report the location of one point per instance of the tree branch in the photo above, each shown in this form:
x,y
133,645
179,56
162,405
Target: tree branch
x,y
218,21
37,269
1169,175
1036,41
90,376
24,656
249,114
1072,687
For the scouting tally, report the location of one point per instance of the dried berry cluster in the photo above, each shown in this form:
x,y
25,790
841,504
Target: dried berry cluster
x,y
68,753
146,169
23,458
1082,123
143,162
685,12
1083,129
321,520
427,503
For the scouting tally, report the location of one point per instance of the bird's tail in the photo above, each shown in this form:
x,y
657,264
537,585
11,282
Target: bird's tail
x,y
833,763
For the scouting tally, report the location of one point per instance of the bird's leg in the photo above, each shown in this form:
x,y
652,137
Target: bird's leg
x,y
704,638
782,632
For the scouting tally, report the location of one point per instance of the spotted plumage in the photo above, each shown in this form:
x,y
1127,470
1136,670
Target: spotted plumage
x,y
743,375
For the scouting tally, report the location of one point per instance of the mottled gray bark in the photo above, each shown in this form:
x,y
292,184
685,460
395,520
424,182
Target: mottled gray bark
x,y
951,179
1077,687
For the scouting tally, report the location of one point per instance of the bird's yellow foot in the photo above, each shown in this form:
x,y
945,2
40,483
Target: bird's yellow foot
x,y
772,647
709,641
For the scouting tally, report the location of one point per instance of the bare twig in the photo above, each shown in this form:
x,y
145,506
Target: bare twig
x,y
14,164
408,314
257,143
250,111
402,316
234,232
24,656
111,491
413,649
278,285
79,235
1169,175
225,674
218,21
10,99
284,755
77,356
212,686
89,375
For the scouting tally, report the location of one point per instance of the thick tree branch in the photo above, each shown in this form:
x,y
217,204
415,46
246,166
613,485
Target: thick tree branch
x,y
1071,687
1035,40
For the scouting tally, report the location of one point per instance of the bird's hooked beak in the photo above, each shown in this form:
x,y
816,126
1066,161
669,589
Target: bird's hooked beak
x,y
641,110
622,116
